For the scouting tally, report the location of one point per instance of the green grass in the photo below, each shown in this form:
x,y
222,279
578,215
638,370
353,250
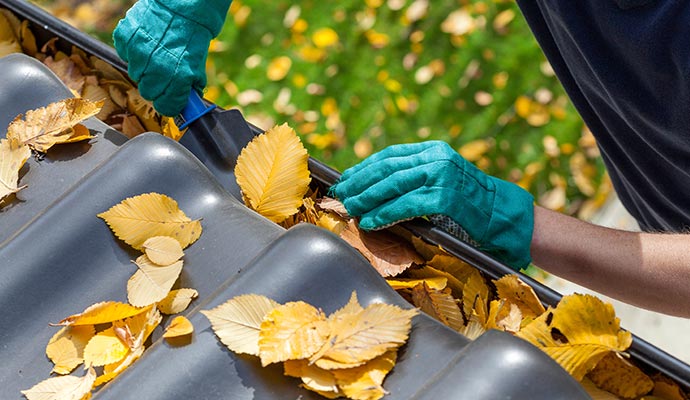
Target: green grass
x,y
371,85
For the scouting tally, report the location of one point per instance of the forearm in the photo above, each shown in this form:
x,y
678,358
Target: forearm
x,y
648,270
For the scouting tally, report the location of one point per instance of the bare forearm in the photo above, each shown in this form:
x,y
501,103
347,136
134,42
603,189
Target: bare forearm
x,y
648,270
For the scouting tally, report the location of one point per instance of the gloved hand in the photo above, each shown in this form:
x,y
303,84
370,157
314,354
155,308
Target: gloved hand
x,y
430,178
166,43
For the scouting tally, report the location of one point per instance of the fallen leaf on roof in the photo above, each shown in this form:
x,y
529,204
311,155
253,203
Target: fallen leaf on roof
x,y
138,218
273,174
58,122
13,155
387,254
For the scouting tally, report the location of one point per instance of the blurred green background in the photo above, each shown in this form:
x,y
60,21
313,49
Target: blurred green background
x,y
355,76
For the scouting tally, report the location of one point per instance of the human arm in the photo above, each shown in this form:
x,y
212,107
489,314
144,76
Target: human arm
x,y
649,270
165,43
405,181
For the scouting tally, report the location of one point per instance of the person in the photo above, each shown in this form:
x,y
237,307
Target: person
x,y
625,64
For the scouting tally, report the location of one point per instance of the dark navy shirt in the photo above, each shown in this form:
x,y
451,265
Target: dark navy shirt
x,y
626,67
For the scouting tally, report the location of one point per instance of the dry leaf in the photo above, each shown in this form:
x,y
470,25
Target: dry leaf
x,y
436,282
237,322
66,348
162,250
179,326
597,394
475,297
427,272
151,283
138,218
56,123
101,313
366,382
359,337
13,155
8,41
177,301
515,291
143,109
667,389
439,305
313,378
504,316
618,376
578,333
272,173
332,222
68,72
105,348
352,307
62,387
386,252
292,331
334,205
454,266
474,328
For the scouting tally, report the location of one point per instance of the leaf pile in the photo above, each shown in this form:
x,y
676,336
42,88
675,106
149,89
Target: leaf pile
x,y
90,78
39,130
347,354
581,333
109,336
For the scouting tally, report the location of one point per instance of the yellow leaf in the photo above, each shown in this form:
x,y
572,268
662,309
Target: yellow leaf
x,y
170,129
62,387
366,382
110,371
359,337
105,348
143,109
272,173
387,253
332,222
151,283
177,301
138,218
504,316
162,250
237,322
352,307
436,283
8,41
475,149
475,297
101,313
96,93
179,326
578,333
618,376
314,378
56,123
13,155
474,328
66,348
452,265
439,305
292,331
427,272
515,291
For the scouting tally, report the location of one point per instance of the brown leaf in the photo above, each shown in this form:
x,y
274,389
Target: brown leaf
x,y
387,253
56,123
68,73
515,291
13,155
618,376
438,304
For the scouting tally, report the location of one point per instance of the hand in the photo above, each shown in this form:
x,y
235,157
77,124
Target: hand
x,y
423,179
166,43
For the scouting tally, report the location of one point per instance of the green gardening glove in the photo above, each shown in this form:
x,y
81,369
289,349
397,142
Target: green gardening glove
x,y
431,179
165,43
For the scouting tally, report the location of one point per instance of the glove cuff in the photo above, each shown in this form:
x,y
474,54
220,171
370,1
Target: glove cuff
x,y
208,13
510,228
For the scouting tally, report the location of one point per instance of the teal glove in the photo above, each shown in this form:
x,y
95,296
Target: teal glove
x,y
427,179
166,43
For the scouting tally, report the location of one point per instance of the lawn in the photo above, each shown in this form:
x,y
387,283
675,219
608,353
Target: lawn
x,y
353,77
